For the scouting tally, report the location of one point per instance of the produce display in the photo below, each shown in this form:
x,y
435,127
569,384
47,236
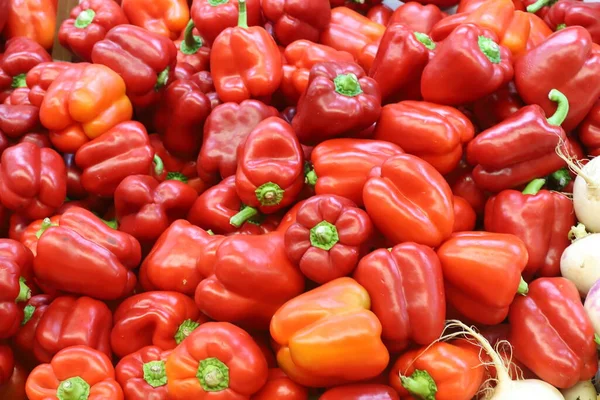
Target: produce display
x,y
299,200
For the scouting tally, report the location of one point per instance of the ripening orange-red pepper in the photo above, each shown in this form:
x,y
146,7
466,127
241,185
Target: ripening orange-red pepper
x,y
35,19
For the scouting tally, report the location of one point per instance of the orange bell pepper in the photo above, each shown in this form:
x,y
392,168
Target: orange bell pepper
x,y
35,19
164,17
308,328
82,103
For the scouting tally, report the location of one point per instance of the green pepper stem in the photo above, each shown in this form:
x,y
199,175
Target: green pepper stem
x,y
159,166
420,384
538,5
185,329
155,373
111,223
425,40
24,291
215,3
534,186
210,232
347,85
74,388
243,14
523,287
561,110
213,375
191,43
560,27
46,223
269,194
85,18
490,49
242,216
162,79
19,81
561,178
177,176
324,235
597,339
27,313
311,177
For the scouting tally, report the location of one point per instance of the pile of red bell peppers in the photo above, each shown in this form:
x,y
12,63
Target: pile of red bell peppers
x,y
292,199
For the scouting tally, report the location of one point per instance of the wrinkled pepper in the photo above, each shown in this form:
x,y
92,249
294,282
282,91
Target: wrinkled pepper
x,y
294,20
472,263
165,318
407,289
309,351
165,17
279,386
21,54
563,352
417,17
142,374
212,17
35,19
329,237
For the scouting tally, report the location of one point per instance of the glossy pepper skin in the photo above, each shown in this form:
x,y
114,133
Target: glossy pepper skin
x,y
342,166
225,131
393,198
589,131
82,103
32,180
465,217
145,60
212,17
520,148
578,79
88,257
218,359
380,14
351,31
346,100
193,53
167,18
311,354
245,62
432,132
156,318
456,372
328,238
572,12
171,265
270,170
122,151
252,303
21,54
4,7
361,392
294,20
564,351
472,262
25,339
146,208
71,321
300,56
407,289
487,66
541,218
279,386
180,118
88,23
400,60
18,120
74,371
496,107
35,19
7,363
40,77
14,291
142,374
416,16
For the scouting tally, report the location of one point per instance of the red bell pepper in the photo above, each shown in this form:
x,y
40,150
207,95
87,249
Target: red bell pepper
x,y
224,297
470,271
145,60
270,170
32,180
294,20
417,17
29,234
407,289
279,386
7,363
18,96
212,17
361,391
380,14
18,120
122,151
180,118
400,211
465,217
520,148
589,131
192,51
167,18
399,64
73,115
465,6
4,7
171,265
25,339
563,352
21,54
88,23
35,19
578,78
442,371
14,389
225,131
300,56
573,12
15,251
342,166
71,321
487,66
145,208
166,319
429,131
496,107
14,291
353,32
245,61
142,374
40,77
217,359
346,100
542,7
77,372
96,262
541,218
329,237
